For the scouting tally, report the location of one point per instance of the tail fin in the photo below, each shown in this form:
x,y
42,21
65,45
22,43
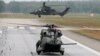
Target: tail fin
x,y
64,12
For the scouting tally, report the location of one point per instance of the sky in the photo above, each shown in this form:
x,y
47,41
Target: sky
x,y
7,1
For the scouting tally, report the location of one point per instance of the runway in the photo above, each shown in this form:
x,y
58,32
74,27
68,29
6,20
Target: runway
x,y
21,41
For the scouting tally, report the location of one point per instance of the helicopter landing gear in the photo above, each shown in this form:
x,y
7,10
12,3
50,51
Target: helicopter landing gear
x,y
39,15
38,52
38,48
62,51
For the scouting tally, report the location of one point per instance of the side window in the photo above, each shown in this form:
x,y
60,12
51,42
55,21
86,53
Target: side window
x,y
43,33
59,33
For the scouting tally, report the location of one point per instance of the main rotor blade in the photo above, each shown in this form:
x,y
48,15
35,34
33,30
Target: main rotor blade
x,y
69,43
47,25
26,24
78,28
56,5
57,27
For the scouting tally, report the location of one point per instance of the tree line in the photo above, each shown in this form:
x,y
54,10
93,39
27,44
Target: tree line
x,y
75,6
2,6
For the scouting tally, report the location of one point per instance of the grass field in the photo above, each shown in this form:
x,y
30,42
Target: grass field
x,y
90,33
16,15
76,20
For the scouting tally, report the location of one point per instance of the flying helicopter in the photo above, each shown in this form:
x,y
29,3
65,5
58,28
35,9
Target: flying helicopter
x,y
47,10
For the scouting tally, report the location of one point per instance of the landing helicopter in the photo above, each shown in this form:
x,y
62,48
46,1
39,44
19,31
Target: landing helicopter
x,y
47,10
50,40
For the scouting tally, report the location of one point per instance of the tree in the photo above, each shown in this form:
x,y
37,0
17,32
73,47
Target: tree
x,y
2,6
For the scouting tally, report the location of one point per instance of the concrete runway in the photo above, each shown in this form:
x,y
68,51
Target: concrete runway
x,y
21,41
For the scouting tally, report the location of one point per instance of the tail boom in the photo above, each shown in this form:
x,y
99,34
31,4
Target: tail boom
x,y
64,12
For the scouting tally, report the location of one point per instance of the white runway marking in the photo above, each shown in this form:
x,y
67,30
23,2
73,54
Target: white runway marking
x,y
32,28
0,31
21,27
92,50
10,27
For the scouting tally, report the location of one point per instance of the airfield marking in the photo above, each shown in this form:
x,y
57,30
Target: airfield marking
x,y
90,49
10,27
28,47
0,31
32,27
21,27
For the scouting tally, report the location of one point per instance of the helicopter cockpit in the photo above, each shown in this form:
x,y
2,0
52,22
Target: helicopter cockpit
x,y
51,32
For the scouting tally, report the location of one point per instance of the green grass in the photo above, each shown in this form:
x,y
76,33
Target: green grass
x,y
17,15
94,34
77,21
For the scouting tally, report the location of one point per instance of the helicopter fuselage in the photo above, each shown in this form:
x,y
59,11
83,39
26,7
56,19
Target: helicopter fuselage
x,y
50,41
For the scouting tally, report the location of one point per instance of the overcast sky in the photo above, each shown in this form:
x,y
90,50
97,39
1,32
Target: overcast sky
x,y
7,1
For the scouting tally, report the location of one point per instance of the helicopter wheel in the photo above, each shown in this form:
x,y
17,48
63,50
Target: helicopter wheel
x,y
62,52
38,52
39,15
37,44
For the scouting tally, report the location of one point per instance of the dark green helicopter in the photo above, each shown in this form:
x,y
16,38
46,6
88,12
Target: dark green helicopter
x,y
46,10
50,40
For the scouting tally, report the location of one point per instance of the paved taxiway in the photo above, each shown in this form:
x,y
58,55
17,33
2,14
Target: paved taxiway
x,y
21,42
